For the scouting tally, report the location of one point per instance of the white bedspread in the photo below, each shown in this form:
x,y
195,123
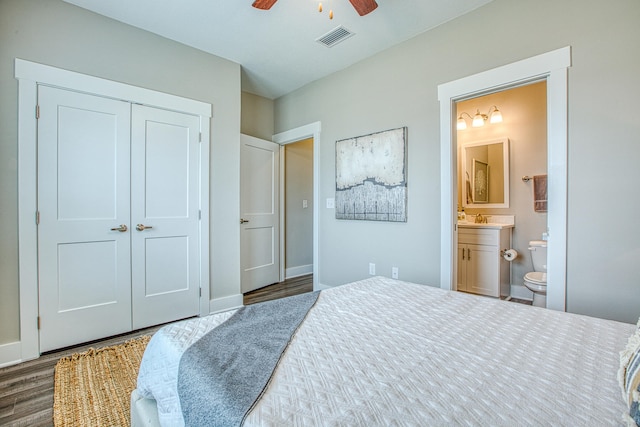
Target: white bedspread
x,y
380,352
158,374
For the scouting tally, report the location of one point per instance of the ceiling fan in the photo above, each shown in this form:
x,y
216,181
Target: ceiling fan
x,y
361,6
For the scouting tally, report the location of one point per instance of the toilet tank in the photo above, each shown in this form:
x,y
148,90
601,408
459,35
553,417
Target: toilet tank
x,y
538,249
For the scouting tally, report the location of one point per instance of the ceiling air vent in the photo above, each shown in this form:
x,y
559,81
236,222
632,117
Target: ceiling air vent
x,y
335,36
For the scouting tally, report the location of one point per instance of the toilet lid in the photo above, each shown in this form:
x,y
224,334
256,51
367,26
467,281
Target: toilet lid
x,y
536,277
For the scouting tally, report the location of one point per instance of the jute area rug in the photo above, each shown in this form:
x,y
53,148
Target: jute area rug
x,y
93,388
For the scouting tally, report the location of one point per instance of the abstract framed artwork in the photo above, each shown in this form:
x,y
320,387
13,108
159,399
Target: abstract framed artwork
x,y
371,177
480,182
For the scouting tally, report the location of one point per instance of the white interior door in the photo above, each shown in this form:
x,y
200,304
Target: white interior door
x,y
165,158
83,205
259,210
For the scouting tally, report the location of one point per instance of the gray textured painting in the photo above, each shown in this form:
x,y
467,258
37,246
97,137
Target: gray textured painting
x,y
371,177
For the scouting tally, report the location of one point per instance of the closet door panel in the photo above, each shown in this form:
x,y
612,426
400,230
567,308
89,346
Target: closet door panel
x,y
167,155
83,193
164,210
168,277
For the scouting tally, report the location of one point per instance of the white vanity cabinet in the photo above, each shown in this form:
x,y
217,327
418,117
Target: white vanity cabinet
x,y
481,268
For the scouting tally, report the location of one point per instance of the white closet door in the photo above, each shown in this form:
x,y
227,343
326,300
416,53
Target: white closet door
x,y
164,215
83,195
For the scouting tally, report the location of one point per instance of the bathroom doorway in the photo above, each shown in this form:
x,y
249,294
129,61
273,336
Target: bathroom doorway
x,y
524,126
553,68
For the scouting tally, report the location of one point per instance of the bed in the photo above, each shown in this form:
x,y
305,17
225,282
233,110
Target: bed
x,y
382,352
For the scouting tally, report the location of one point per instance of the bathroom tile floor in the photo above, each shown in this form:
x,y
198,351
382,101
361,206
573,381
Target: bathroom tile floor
x,y
519,301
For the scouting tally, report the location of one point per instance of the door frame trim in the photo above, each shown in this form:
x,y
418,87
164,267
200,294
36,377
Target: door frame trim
x,y
552,67
30,75
311,130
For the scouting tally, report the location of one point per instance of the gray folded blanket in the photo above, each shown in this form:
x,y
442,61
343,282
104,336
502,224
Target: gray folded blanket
x,y
222,375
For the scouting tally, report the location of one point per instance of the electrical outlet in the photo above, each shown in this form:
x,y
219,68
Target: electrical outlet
x,y
331,203
305,204
372,269
394,272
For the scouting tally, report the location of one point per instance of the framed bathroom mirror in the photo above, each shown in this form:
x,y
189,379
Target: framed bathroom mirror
x,y
484,174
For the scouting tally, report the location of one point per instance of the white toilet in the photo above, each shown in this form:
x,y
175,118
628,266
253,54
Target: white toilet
x,y
536,281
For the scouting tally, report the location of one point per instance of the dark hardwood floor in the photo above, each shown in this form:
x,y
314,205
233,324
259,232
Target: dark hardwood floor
x,y
294,286
26,390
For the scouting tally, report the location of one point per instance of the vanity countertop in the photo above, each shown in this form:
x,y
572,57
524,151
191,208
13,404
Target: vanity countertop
x,y
490,225
495,222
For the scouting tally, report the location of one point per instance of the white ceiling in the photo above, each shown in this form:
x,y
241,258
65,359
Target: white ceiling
x,y
277,48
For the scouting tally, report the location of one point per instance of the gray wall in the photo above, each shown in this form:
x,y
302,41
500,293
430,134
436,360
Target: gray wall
x,y
257,116
55,33
398,87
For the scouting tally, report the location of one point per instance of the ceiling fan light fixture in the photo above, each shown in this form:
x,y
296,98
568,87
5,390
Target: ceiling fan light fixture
x,y
363,7
263,4
320,10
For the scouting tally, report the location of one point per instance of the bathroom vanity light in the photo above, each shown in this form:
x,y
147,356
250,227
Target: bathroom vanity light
x,y
493,115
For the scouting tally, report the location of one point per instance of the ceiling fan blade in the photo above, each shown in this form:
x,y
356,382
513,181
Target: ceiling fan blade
x,y
363,6
264,4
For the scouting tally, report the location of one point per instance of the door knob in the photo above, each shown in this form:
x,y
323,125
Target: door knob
x,y
121,229
242,220
142,227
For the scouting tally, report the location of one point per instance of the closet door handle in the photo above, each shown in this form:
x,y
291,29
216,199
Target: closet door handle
x,y
469,254
121,229
242,220
142,227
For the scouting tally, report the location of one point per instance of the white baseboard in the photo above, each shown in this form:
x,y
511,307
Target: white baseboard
x,y
321,287
521,292
225,303
301,270
10,354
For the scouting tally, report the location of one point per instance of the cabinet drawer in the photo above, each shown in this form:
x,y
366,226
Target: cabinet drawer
x,y
478,236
